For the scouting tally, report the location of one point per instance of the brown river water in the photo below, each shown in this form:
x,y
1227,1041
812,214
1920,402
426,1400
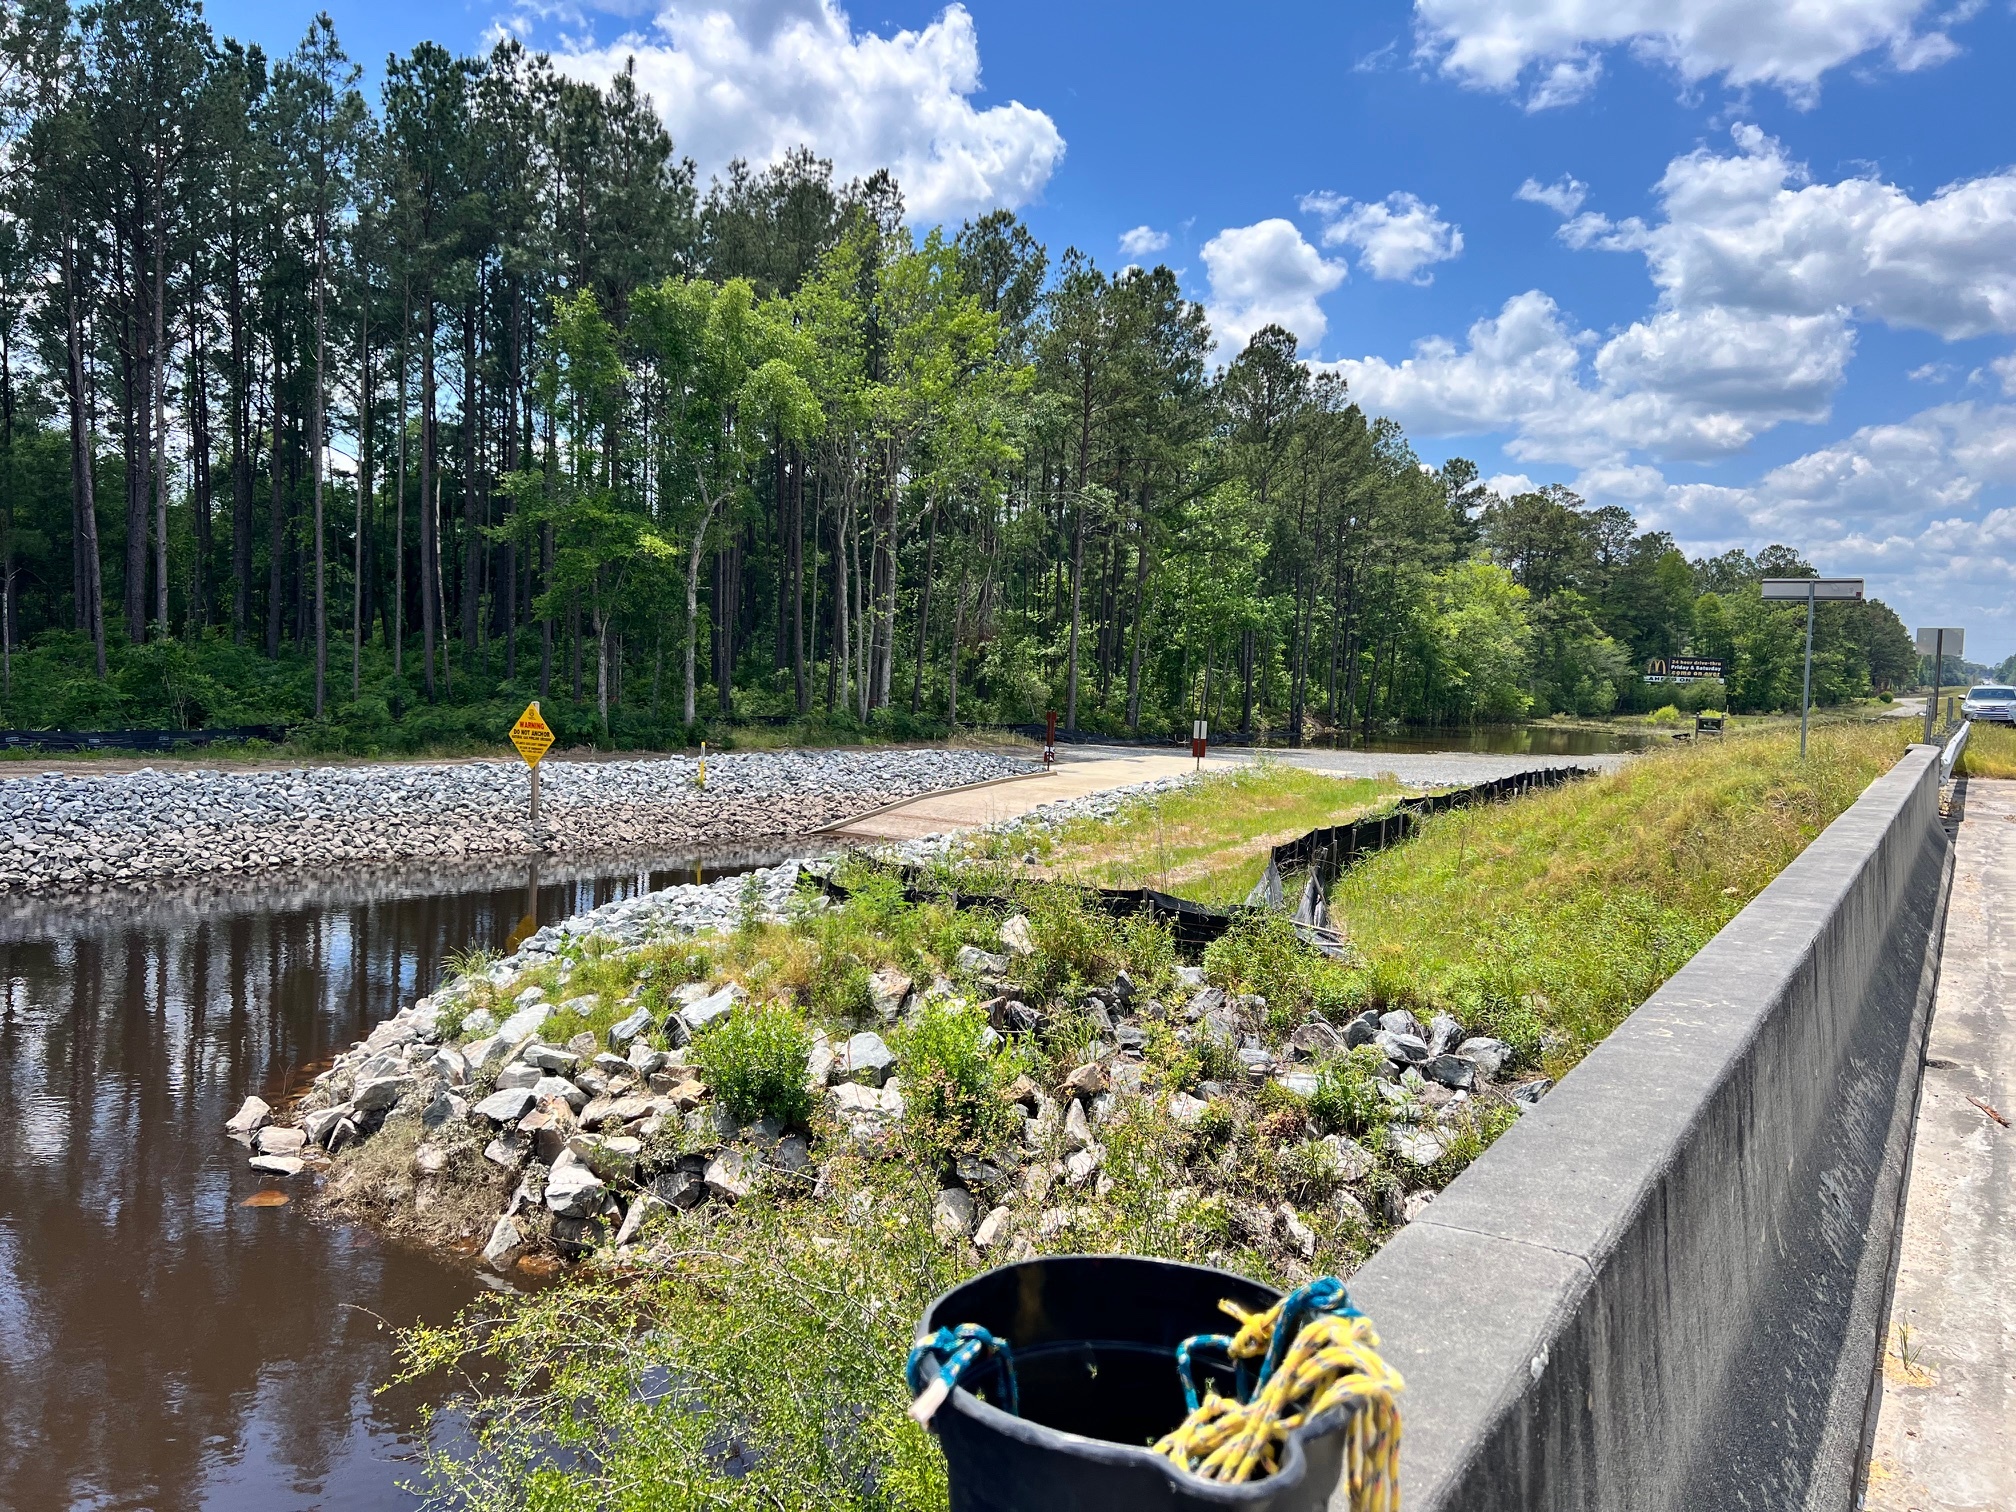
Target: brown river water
x,y
164,1345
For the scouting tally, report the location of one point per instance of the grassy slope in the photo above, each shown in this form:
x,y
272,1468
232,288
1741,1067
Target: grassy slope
x,y
1577,903
1209,839
1991,752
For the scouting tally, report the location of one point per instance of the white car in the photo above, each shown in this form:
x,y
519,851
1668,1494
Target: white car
x,y
1990,701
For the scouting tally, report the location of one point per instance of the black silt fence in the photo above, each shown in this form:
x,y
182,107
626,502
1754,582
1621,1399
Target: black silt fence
x,y
1332,850
134,740
1337,848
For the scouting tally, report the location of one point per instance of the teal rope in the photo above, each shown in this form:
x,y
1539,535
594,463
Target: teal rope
x,y
955,1350
1326,1294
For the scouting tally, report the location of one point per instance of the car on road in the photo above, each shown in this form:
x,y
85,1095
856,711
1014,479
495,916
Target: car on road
x,y
1990,701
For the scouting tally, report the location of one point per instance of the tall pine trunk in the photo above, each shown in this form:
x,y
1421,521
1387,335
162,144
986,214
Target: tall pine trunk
x,y
399,507
87,574
359,614
472,537
428,525
276,523
924,607
1077,591
321,566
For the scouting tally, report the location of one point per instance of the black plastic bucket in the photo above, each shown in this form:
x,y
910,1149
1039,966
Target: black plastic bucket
x,y
1094,1342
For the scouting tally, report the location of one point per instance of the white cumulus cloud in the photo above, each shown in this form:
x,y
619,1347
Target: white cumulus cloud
x,y
755,80
1143,241
1762,276
1556,47
1267,274
1922,507
1396,237
1564,196
1697,384
1750,229
1515,368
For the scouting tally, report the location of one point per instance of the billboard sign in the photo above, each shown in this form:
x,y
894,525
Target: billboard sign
x,y
1682,669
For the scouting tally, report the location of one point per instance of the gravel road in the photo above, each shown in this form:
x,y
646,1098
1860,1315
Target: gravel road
x,y
64,831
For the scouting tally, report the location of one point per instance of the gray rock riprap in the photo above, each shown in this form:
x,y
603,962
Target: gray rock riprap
x,y
599,1134
138,828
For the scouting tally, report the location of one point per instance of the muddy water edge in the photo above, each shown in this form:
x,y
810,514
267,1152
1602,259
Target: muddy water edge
x,y
170,1337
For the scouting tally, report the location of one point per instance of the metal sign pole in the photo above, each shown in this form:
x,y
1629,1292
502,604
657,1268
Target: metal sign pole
x,y
1938,661
533,737
1806,691
1811,589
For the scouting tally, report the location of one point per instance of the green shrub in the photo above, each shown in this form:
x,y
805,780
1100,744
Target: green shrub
x,y
1347,1096
754,1059
839,986
1669,715
1261,953
1074,943
950,1081
1515,1021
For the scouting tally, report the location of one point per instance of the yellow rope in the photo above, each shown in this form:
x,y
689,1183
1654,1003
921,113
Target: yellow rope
x,y
1331,1360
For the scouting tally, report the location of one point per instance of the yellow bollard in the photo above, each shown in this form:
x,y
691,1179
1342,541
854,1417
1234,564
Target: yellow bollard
x,y
703,763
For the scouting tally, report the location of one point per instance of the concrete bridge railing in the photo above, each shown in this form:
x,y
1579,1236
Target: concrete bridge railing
x,y
1665,1288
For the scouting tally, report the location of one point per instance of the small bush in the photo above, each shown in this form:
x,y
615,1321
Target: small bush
x,y
950,1092
1073,943
754,1059
1493,1014
839,986
1669,715
1347,1096
1261,953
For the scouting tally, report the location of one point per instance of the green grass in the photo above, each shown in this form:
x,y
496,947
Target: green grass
x,y
1573,905
1207,840
1990,752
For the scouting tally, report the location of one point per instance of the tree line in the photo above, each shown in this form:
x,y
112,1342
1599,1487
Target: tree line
x,y
384,414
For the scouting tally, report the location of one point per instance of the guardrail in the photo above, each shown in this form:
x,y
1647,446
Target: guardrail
x,y
135,740
1949,755
1665,1287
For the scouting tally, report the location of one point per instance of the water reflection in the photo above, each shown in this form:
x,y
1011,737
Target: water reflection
x,y
162,1345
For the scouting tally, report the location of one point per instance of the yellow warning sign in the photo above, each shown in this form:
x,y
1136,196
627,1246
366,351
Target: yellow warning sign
x,y
532,735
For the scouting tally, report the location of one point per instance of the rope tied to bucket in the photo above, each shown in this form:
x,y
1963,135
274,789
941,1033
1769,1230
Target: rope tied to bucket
x,y
955,1350
1316,1352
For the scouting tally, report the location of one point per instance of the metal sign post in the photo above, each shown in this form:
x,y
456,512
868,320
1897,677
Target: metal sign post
x,y
1810,589
1200,735
1933,643
534,738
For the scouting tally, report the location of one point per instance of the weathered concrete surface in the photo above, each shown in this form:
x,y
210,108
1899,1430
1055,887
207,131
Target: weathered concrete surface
x,y
1944,1432
1083,770
1440,768
1074,776
1664,1288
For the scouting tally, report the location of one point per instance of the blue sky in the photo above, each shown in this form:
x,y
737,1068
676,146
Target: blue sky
x,y
1761,284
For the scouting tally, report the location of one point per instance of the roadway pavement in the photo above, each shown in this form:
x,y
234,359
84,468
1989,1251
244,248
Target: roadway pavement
x,y
1944,1428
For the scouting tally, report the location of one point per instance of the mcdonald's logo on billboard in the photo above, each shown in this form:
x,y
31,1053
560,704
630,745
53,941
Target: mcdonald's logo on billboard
x,y
1682,669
